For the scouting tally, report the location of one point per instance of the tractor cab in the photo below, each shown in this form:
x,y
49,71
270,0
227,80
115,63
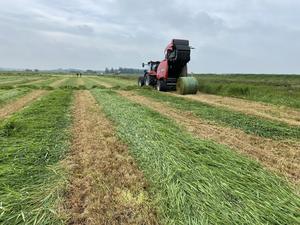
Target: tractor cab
x,y
151,67
151,72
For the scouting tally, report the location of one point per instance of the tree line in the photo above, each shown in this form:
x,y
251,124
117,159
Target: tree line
x,y
122,70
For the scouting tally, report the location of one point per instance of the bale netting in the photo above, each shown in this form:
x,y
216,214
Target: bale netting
x,y
187,85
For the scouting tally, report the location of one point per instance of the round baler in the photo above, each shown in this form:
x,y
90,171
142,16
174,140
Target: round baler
x,y
171,73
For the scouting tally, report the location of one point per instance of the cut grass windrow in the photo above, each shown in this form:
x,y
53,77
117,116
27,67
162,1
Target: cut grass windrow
x,y
20,103
58,82
247,123
116,81
19,80
283,157
105,185
69,83
98,81
39,83
273,112
197,181
90,83
10,95
32,143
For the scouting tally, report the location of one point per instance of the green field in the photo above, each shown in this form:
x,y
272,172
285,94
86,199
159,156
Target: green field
x,y
189,179
275,89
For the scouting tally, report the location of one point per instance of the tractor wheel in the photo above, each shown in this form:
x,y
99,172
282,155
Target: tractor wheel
x,y
161,85
141,81
149,80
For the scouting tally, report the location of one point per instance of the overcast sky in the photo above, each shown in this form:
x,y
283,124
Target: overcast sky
x,y
251,36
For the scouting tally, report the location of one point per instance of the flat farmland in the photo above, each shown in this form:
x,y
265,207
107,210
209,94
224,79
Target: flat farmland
x,y
100,150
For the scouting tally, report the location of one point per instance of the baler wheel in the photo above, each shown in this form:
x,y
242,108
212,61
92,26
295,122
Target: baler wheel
x,y
161,85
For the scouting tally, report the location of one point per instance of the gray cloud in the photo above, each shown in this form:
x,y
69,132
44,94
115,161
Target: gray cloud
x,y
229,36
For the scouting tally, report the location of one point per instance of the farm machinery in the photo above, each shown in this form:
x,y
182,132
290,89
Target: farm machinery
x,y
171,73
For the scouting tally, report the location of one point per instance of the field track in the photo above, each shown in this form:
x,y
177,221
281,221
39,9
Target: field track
x,y
268,111
268,152
105,185
20,103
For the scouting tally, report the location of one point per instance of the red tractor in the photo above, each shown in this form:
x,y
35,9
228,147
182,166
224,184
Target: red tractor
x,y
171,73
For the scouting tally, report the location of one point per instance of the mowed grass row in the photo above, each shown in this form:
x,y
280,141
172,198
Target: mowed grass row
x,y
9,78
40,83
196,181
70,83
32,143
248,123
117,81
81,83
279,90
12,94
20,80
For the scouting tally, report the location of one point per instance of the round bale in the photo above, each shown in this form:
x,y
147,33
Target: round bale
x,y
187,85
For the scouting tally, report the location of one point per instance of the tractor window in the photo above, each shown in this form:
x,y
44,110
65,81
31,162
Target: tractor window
x,y
154,67
172,54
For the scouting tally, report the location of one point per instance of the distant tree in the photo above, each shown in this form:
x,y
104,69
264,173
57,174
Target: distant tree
x,y
90,71
122,70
